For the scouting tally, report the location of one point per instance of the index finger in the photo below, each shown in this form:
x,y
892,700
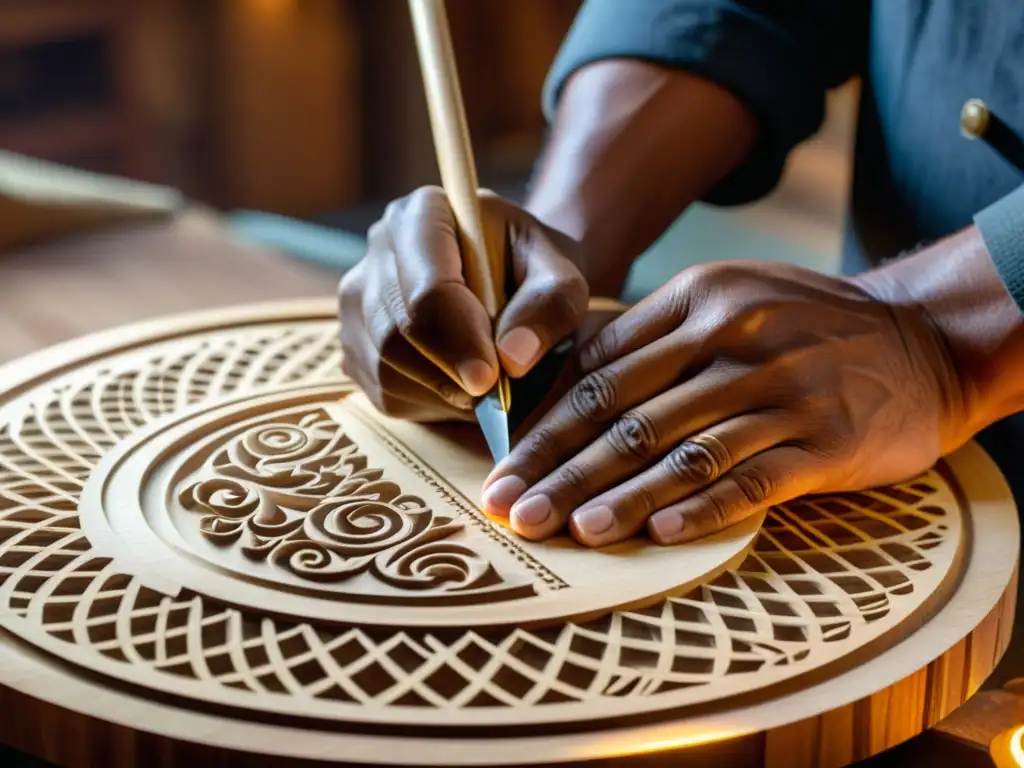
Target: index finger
x,y
585,413
654,317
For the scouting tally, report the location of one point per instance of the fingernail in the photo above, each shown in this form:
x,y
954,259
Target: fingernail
x,y
476,375
534,511
594,521
666,526
520,345
503,494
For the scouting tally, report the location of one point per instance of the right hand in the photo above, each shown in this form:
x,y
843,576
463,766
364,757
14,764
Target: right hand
x,y
406,305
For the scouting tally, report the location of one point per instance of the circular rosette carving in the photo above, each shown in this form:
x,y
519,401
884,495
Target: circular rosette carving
x,y
428,563
379,518
226,507
222,498
299,463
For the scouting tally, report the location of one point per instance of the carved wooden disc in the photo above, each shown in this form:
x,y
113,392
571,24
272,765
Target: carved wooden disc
x,y
205,509
346,516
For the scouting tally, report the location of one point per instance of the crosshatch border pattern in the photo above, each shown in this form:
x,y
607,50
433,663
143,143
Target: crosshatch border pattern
x,y
824,573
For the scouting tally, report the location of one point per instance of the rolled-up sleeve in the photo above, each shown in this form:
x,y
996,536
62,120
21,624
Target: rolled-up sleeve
x,y
778,57
1002,228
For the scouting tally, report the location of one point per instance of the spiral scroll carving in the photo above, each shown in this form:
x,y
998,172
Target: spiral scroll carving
x,y
300,495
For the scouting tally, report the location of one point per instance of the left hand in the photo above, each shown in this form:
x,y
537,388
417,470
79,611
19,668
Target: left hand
x,y
735,387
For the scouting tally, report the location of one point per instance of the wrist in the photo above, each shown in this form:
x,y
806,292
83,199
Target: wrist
x,y
954,289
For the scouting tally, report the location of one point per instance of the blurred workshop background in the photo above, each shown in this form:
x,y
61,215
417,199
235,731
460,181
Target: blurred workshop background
x,y
299,119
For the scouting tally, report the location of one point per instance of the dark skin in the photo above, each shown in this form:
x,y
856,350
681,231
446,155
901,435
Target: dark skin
x,y
734,387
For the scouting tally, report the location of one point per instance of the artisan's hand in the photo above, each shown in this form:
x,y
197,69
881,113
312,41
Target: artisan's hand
x,y
735,387
413,335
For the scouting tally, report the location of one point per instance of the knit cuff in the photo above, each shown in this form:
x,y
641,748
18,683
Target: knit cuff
x,y
1002,229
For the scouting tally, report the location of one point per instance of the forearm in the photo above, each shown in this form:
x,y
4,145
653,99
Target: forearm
x,y
632,145
959,288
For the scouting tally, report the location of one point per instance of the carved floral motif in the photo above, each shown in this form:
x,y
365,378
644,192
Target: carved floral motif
x,y
301,496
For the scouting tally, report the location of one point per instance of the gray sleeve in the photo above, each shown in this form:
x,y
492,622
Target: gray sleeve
x,y
1002,229
777,56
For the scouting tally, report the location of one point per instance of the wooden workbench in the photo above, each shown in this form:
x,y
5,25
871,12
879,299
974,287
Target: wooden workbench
x,y
63,289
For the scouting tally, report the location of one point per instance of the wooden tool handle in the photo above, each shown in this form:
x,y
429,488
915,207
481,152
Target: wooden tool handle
x,y
483,254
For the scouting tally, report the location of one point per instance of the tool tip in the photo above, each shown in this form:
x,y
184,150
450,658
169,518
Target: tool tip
x,y
493,421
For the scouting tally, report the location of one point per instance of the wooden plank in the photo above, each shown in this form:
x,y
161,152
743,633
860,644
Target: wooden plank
x,y
132,273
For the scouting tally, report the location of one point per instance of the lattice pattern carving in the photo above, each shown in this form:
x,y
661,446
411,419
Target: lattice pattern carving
x,y
825,572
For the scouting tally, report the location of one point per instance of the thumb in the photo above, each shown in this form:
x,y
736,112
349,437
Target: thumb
x,y
550,300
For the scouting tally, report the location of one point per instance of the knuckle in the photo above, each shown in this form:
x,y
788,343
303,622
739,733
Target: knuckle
x,y
698,461
643,500
677,300
692,463
421,316
349,307
633,436
756,485
427,200
538,448
562,302
574,293
718,271
426,298
573,478
493,204
377,233
392,211
401,317
717,510
350,285
595,397
597,352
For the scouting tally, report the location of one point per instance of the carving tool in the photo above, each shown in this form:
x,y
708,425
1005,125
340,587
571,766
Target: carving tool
x,y
977,121
483,248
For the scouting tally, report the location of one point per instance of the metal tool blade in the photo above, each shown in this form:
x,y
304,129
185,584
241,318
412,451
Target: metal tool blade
x,y
522,398
493,420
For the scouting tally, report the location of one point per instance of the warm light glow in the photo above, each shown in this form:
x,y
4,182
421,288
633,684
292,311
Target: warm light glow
x,y
273,9
666,744
1017,746
1007,749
